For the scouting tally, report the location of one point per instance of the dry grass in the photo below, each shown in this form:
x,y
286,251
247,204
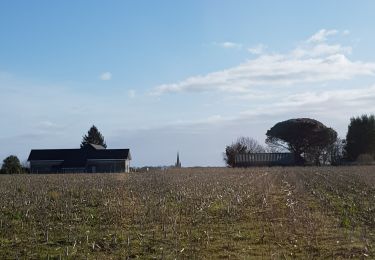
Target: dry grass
x,y
271,213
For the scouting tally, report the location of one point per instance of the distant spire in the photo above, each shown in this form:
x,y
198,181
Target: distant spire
x,y
178,163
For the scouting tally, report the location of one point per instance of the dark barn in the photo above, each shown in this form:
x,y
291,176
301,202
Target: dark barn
x,y
91,158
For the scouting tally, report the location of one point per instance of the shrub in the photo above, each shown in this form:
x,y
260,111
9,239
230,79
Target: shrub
x,y
11,165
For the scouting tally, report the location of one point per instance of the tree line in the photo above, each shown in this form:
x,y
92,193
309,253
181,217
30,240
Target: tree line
x,y
311,142
12,165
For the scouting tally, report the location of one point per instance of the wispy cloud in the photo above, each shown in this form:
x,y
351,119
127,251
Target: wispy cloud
x,y
322,35
229,45
321,49
273,70
106,76
345,99
313,62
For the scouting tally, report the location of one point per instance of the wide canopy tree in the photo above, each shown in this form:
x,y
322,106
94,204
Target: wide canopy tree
x,y
304,137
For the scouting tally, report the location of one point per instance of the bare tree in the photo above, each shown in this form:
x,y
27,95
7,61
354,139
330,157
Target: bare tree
x,y
252,145
241,145
337,151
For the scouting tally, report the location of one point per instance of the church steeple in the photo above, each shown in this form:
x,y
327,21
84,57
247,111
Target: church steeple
x,y
178,163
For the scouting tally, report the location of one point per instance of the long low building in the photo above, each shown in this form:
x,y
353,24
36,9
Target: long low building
x,y
264,159
90,158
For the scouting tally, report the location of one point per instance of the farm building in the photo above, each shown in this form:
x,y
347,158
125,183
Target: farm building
x,y
90,158
264,159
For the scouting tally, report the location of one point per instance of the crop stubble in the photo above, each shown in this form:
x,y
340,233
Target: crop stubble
x,y
277,213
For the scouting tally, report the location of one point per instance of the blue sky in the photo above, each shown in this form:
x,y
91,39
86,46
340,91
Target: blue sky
x,y
189,76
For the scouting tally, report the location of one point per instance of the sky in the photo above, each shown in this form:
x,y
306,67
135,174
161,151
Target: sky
x,y
161,77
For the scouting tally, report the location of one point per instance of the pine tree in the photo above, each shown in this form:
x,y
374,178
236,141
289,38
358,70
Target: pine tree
x,y
93,137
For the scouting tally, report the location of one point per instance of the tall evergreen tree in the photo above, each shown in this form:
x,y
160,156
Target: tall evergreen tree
x,y
360,138
93,136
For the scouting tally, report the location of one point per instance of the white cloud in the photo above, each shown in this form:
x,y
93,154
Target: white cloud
x,y
344,99
106,76
273,70
229,45
310,63
333,103
258,49
321,36
321,50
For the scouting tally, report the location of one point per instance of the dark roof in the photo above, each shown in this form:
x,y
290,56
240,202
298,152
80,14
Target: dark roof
x,y
79,156
54,154
110,154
